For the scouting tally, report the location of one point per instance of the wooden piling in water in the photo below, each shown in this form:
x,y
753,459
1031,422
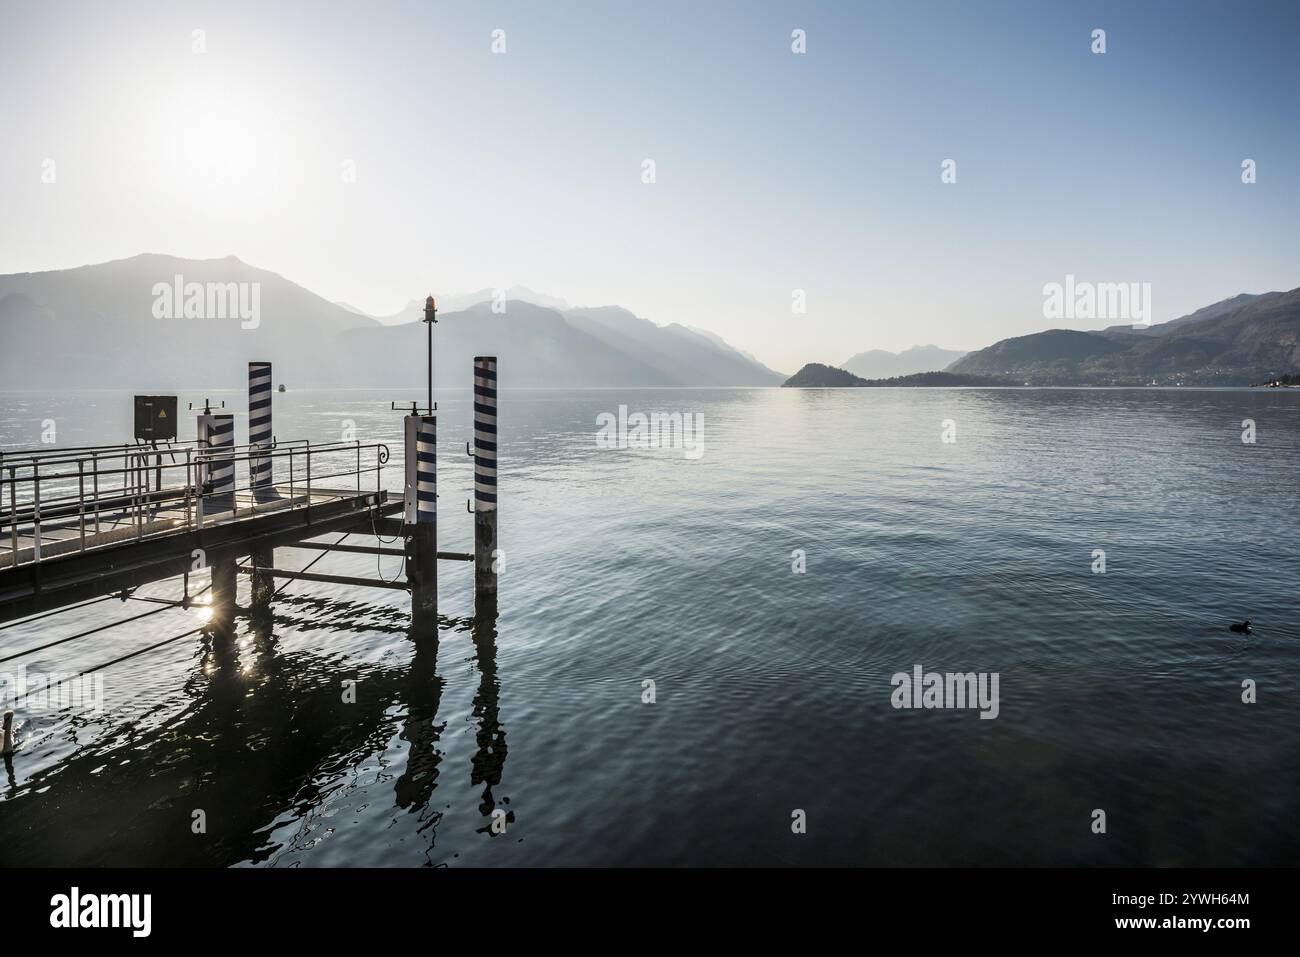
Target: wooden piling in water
x,y
485,482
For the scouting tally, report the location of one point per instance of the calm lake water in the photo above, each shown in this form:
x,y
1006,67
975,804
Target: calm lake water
x,y
1119,691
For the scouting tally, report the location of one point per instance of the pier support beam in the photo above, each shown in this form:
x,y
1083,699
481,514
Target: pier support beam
x,y
421,520
485,484
263,584
225,591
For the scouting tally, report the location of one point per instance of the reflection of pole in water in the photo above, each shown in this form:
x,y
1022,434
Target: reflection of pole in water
x,y
8,751
221,626
490,757
222,686
258,735
424,694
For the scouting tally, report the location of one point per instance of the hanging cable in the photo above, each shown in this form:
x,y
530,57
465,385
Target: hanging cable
x,y
93,631
159,644
379,568
307,567
56,611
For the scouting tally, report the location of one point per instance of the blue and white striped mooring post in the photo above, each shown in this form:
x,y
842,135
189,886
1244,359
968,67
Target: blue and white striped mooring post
x,y
260,479
216,478
259,431
420,515
217,466
485,478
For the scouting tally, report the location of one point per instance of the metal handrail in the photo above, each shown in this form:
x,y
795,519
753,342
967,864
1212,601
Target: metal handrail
x,y
147,458
64,456
43,497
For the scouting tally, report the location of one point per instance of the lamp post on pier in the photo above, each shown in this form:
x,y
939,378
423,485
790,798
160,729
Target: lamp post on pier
x,y
430,319
421,499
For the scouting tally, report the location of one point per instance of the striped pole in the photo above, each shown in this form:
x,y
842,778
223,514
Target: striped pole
x,y
421,516
485,477
217,433
259,430
261,481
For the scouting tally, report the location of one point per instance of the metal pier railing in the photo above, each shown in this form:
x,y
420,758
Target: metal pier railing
x,y
53,502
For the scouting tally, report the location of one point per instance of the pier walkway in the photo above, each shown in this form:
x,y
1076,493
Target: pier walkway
x,y
88,521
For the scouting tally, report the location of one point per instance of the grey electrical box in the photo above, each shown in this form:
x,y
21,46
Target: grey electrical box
x,y
155,418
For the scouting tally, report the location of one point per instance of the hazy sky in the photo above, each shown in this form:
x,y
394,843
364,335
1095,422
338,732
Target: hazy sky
x,y
775,171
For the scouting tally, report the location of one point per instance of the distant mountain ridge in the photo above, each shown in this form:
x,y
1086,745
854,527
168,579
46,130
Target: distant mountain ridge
x,y
1245,339
879,364
1212,311
99,326
413,311
815,375
95,326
